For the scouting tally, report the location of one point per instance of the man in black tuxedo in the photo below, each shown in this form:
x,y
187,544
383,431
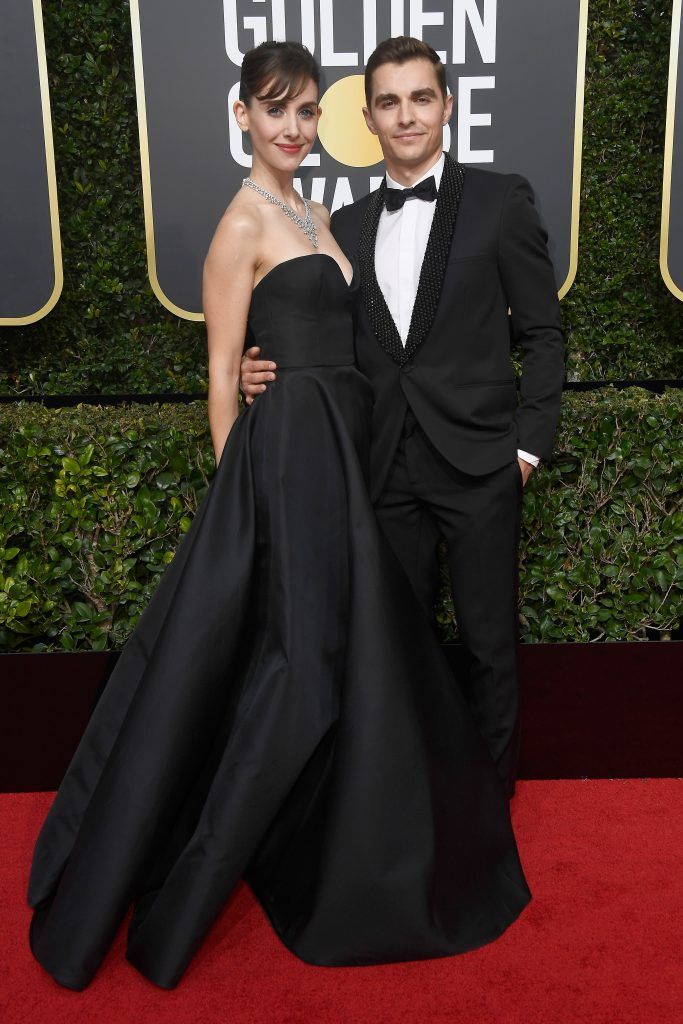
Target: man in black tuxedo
x,y
444,252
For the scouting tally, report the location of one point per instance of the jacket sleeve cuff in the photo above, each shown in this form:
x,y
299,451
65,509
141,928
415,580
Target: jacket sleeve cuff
x,y
533,459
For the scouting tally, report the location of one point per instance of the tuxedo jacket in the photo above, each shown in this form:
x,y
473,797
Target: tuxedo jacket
x,y
486,253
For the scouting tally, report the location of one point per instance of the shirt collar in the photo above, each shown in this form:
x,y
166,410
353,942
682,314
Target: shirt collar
x,y
436,169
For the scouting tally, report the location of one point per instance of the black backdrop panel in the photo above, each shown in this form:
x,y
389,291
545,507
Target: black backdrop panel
x,y
672,208
30,258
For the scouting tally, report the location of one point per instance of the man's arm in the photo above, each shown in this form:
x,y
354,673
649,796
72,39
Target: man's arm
x,y
530,289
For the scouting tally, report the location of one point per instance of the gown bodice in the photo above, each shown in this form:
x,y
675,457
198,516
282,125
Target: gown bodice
x,y
301,313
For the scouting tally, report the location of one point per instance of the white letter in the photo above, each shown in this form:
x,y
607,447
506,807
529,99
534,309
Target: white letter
x,y
317,189
308,24
312,160
257,25
369,28
397,17
418,19
447,128
467,120
328,58
483,29
342,194
279,23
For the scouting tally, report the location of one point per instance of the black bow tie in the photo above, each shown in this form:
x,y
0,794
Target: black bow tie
x,y
394,198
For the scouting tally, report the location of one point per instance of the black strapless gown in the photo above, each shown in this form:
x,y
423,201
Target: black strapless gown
x,y
281,712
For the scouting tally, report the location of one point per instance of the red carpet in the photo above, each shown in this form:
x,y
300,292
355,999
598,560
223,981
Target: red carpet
x,y
600,942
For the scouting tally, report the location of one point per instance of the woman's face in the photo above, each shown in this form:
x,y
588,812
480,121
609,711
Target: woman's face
x,y
282,131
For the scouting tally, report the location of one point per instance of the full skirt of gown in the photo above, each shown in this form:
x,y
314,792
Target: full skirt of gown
x,y
281,712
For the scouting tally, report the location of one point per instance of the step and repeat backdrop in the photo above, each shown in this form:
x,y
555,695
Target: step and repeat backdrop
x,y
516,68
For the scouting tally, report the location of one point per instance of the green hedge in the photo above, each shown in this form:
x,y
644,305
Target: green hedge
x,y
93,502
108,334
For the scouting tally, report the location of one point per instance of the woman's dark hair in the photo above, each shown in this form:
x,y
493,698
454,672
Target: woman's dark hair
x,y
398,50
281,69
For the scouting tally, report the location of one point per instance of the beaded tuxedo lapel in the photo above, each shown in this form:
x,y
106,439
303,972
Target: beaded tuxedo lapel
x,y
380,318
431,275
436,255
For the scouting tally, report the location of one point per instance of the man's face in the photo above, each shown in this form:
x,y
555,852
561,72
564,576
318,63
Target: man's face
x,y
407,113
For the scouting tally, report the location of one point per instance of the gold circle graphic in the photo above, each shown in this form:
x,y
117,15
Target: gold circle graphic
x,y
342,129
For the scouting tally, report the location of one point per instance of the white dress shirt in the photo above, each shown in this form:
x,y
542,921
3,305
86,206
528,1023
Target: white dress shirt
x,y
400,246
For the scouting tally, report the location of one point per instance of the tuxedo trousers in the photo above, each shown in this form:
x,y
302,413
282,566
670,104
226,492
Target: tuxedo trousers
x,y
426,498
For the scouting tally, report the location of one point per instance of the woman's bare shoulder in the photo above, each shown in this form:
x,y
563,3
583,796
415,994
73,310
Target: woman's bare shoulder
x,y
240,215
239,228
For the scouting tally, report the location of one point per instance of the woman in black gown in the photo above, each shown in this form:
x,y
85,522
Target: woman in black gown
x,y
282,711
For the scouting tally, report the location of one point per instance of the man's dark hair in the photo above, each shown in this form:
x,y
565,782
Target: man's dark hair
x,y
398,50
282,69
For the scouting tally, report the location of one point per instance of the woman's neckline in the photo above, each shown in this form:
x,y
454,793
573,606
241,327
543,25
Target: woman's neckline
x,y
304,256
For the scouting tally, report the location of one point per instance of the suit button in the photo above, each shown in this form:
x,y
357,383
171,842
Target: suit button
x,y
407,367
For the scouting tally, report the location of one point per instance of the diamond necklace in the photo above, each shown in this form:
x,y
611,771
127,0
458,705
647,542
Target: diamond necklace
x,y
306,223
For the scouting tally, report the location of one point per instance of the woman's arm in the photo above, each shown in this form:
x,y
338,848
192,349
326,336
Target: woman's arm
x,y
226,293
